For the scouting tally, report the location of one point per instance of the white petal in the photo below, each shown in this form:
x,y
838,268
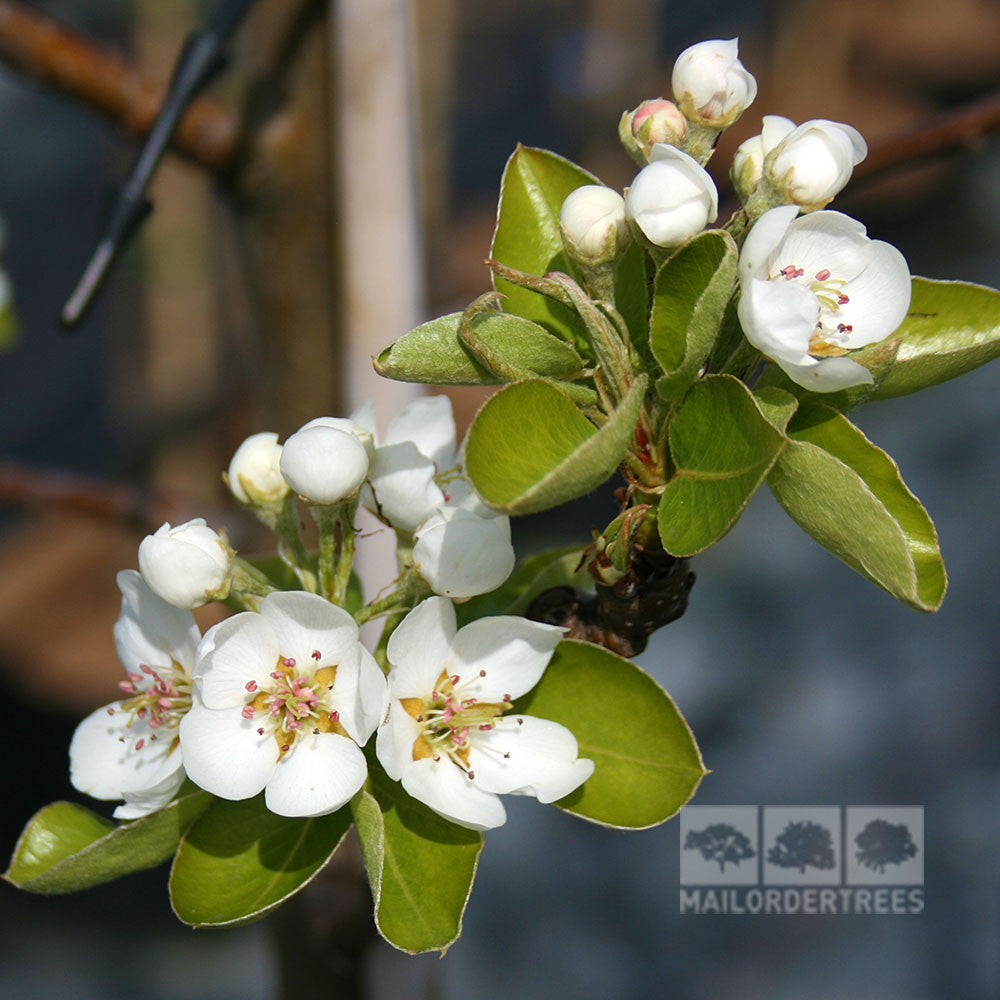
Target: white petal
x,y
449,791
429,423
828,241
461,554
149,800
240,649
395,739
224,754
828,374
104,763
305,623
402,480
360,694
317,776
879,296
542,758
779,318
150,630
512,652
773,129
364,417
420,648
763,239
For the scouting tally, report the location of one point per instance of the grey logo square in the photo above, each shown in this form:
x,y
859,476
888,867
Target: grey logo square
x,y
884,845
719,845
801,845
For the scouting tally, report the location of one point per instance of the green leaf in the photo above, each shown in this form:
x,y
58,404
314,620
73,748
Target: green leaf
x,y
536,574
722,447
239,861
646,762
65,848
777,405
420,866
530,448
848,495
952,327
535,184
434,354
632,299
690,294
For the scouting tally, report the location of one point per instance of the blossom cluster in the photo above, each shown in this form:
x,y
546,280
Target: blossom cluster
x,y
282,697
813,289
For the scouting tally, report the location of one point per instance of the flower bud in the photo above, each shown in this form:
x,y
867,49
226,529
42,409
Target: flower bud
x,y
710,84
813,162
748,163
187,566
254,474
672,199
461,554
593,224
658,121
349,426
322,464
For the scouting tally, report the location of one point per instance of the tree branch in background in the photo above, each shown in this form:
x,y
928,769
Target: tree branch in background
x,y
104,80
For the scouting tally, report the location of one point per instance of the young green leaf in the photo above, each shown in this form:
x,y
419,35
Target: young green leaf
x,y
530,448
420,866
538,573
433,352
722,447
690,295
646,762
65,848
632,300
952,327
535,184
239,861
848,495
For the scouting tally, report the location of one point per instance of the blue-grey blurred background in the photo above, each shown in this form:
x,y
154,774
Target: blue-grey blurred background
x,y
803,683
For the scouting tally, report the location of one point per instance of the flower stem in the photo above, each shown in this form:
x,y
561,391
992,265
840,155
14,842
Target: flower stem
x,y
291,548
345,553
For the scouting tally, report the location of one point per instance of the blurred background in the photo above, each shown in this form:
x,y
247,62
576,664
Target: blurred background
x,y
343,188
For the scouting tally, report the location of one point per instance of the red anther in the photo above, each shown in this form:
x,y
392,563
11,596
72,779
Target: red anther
x,y
295,724
520,722
250,685
822,275
135,678
315,732
111,711
335,716
164,703
146,669
482,673
472,775
285,747
842,300
317,655
143,712
127,686
260,732
485,727
277,675
247,712
139,744
506,756
288,661
455,678
506,699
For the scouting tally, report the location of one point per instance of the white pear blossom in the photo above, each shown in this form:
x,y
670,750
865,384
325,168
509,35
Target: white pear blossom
x,y
816,287
673,198
711,86
449,738
187,565
811,162
461,553
254,474
592,221
129,749
324,464
284,699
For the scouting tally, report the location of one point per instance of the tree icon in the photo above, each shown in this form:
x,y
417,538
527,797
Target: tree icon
x,y
882,843
720,842
803,844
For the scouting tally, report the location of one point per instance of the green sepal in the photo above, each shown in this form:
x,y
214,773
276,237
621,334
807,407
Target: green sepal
x,y
847,494
721,446
433,353
691,292
65,848
530,448
239,861
646,762
420,866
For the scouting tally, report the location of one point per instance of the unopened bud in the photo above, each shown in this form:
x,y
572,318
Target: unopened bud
x,y
254,474
658,121
324,465
711,86
593,225
187,566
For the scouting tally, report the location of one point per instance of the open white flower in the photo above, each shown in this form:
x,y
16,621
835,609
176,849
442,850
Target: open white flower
x,y
673,198
188,565
711,86
283,699
129,749
816,287
448,738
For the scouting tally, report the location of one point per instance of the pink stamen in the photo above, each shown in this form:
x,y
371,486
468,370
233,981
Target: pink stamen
x,y
842,300
335,716
485,728
250,685
135,678
822,275
482,673
247,712
111,711
277,675
316,655
288,662
164,703
127,686
506,699
143,712
146,669
139,744
260,732
285,747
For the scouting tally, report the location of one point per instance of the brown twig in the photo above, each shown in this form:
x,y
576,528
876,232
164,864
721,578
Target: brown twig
x,y
948,132
104,80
